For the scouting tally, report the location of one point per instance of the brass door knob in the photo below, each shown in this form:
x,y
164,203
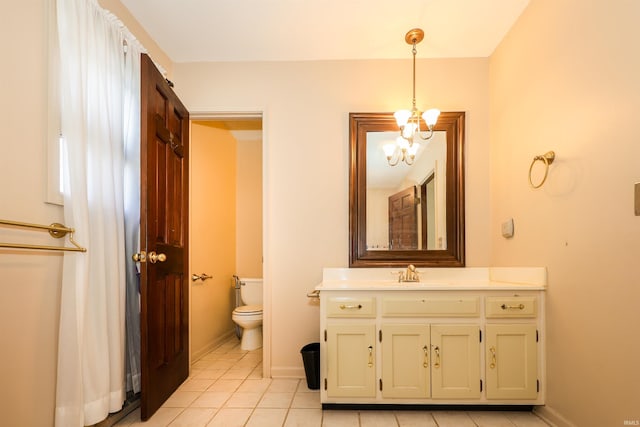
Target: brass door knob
x,y
140,256
154,257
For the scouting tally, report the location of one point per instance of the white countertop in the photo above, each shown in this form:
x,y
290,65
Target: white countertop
x,y
473,278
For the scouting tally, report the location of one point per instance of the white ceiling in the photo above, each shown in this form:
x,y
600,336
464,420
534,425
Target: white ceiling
x,y
301,30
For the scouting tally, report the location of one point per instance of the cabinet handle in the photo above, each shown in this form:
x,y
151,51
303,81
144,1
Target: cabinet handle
x,y
370,364
437,362
514,307
425,364
492,365
350,307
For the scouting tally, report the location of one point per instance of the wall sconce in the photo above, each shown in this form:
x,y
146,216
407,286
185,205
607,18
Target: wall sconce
x,y
409,121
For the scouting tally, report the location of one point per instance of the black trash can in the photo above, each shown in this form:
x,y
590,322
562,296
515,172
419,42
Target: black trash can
x,y
311,359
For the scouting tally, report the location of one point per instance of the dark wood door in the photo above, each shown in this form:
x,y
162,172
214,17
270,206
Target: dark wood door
x,y
164,321
403,228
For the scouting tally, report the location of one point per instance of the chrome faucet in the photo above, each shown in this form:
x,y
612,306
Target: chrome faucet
x,y
410,275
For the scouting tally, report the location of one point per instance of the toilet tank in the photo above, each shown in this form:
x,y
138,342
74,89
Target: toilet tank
x,y
251,291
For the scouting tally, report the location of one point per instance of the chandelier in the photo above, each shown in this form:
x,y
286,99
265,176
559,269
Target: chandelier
x,y
411,128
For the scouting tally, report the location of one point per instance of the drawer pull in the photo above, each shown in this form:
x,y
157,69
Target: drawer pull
x,y
425,364
512,307
370,364
492,365
437,362
350,307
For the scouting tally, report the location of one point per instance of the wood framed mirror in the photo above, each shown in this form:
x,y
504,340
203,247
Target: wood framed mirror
x,y
406,214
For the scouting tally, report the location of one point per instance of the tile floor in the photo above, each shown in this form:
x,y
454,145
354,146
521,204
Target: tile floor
x,y
226,388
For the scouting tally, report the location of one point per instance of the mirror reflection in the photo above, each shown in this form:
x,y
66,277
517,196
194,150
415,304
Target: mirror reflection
x,y
406,204
408,213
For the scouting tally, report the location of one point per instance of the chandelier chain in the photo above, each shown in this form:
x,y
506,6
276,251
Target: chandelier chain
x,y
414,51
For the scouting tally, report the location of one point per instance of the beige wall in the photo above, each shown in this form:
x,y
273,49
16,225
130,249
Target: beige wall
x,y
566,78
29,282
249,209
213,237
306,106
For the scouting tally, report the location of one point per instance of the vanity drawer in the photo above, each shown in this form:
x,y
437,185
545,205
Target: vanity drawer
x,y
351,307
496,307
455,306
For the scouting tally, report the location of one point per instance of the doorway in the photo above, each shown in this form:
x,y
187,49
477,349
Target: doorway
x,y
226,211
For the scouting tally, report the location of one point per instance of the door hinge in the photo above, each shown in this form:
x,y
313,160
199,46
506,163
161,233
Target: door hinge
x,y
325,383
325,335
480,385
380,335
537,335
380,384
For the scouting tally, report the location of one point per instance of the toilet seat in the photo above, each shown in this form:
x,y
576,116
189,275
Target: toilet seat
x,y
248,310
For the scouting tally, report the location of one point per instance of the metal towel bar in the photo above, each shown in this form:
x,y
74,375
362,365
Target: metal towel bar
x,y
55,230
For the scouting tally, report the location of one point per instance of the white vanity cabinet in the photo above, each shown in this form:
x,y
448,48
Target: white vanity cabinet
x,y
448,354
350,346
351,351
512,349
386,343
437,361
406,360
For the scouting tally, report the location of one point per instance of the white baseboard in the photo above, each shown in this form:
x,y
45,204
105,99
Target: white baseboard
x,y
552,417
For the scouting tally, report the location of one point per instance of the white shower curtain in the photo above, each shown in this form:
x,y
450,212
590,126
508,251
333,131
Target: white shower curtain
x,y
95,91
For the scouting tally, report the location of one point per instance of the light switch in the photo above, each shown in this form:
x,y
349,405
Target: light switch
x,y
507,228
637,199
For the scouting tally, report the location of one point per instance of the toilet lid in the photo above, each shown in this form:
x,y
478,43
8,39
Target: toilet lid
x,y
248,309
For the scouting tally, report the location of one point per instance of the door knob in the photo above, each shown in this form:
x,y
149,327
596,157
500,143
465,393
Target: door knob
x,y
154,257
140,256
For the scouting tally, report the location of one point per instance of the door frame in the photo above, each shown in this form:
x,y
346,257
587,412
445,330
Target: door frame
x,y
248,113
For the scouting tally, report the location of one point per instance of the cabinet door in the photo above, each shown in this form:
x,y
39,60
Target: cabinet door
x,y
455,361
511,357
405,361
351,370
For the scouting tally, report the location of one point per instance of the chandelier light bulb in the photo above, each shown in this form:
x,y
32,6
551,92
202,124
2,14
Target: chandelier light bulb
x,y
431,117
402,117
402,143
408,131
413,149
389,149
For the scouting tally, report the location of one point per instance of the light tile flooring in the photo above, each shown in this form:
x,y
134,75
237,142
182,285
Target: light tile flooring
x,y
226,388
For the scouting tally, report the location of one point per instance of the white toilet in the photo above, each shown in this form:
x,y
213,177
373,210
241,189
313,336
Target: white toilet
x,y
249,316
